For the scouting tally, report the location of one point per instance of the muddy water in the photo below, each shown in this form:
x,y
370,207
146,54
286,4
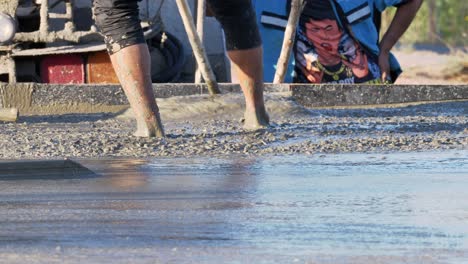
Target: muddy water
x,y
343,208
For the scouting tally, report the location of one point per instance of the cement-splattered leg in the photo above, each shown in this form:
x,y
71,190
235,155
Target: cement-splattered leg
x,y
244,46
249,70
132,65
118,21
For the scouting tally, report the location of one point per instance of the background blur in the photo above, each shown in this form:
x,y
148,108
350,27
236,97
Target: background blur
x,y
435,48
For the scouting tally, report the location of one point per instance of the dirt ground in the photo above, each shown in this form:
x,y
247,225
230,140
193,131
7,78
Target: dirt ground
x,y
430,67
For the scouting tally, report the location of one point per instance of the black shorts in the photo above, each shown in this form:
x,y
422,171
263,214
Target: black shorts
x,y
119,22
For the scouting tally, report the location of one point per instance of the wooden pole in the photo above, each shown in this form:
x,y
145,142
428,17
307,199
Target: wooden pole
x,y
198,50
432,21
201,12
9,114
289,35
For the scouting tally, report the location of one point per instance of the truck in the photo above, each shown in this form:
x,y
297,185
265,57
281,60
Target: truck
x,y
56,41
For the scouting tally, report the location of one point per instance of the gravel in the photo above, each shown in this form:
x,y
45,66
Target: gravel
x,y
294,130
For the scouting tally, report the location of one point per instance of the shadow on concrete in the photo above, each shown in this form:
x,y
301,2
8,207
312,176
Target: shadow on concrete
x,y
44,170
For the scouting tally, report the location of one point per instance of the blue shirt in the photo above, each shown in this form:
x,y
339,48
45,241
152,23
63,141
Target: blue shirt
x,y
359,14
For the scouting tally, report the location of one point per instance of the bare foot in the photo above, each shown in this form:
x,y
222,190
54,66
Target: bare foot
x,y
256,119
149,128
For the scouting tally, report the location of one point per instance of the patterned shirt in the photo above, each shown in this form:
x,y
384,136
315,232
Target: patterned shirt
x,y
326,53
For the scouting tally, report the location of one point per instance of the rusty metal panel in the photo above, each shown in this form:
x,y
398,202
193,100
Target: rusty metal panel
x,y
99,69
63,69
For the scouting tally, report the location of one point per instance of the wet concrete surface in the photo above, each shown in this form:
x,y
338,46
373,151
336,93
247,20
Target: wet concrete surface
x,y
297,192
209,126
330,208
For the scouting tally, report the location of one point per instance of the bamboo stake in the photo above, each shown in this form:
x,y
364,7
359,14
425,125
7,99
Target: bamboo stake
x,y
201,12
198,50
289,35
9,114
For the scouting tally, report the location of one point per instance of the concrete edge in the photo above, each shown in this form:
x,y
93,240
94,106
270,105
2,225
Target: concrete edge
x,y
32,98
363,95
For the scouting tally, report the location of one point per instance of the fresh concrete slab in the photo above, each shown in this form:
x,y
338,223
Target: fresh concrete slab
x,y
337,208
43,99
355,95
205,126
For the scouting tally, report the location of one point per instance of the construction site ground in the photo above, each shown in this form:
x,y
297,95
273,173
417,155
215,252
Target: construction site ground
x,y
358,182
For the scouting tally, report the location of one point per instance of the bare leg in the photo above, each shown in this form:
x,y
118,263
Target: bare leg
x,y
248,65
132,65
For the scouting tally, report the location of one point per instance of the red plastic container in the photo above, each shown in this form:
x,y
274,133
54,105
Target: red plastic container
x,y
63,69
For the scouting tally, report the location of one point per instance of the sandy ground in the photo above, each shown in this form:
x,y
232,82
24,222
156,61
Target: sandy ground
x,y
200,125
429,67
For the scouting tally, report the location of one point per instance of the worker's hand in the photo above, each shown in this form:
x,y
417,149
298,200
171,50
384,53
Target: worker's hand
x,y
384,64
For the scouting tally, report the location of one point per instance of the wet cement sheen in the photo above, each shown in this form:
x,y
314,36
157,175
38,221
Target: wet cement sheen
x,y
344,208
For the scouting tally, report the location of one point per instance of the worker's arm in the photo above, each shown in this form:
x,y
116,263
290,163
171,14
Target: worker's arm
x,y
400,23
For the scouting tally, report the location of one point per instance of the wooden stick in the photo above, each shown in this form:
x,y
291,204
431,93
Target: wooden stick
x,y
198,50
9,114
289,35
201,12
